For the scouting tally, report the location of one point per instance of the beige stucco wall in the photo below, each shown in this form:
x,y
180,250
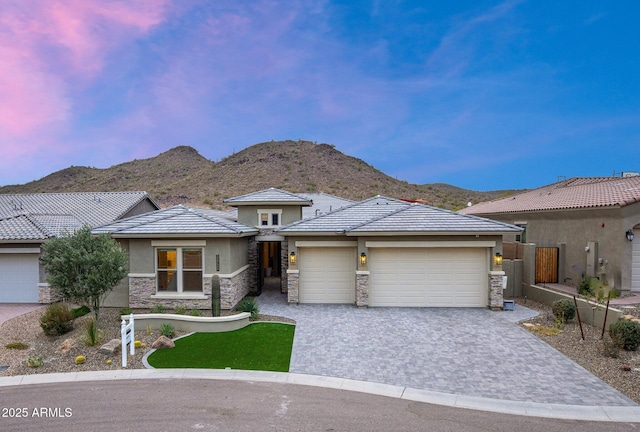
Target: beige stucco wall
x,y
119,297
248,214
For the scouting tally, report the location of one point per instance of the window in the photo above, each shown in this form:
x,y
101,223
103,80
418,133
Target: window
x,y
179,270
269,218
522,237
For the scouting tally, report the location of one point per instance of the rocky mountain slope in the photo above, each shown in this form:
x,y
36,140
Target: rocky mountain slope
x,y
182,175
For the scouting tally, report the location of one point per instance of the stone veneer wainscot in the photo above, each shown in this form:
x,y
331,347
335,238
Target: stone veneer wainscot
x,y
233,288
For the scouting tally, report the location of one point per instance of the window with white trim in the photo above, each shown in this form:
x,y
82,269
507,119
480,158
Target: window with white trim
x,y
179,270
269,218
521,237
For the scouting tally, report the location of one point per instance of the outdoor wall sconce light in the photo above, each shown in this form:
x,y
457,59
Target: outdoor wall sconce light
x,y
363,259
497,260
629,235
292,258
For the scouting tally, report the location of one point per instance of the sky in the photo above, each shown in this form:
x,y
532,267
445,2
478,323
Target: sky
x,y
479,94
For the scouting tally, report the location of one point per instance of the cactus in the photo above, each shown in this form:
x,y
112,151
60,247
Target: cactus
x,y
215,296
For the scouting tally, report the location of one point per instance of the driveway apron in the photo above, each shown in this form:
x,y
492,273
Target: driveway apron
x,y
466,351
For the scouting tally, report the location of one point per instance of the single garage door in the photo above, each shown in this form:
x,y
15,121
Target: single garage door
x,y
327,275
635,261
19,278
431,277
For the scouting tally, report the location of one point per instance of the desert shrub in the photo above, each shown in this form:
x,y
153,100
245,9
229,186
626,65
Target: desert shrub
x,y
179,310
166,329
34,361
125,311
611,346
158,309
195,312
628,332
80,311
564,310
16,346
93,335
57,319
249,304
584,287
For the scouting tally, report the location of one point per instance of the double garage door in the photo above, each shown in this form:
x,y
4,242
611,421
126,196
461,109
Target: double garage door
x,y
19,278
407,277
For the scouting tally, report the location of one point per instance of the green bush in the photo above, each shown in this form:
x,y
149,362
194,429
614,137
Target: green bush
x,y
80,311
195,312
34,361
166,329
125,311
564,310
57,319
250,305
158,309
584,287
179,310
628,332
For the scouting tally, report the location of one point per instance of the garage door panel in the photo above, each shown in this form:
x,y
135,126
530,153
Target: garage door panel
x,y
19,278
327,275
428,277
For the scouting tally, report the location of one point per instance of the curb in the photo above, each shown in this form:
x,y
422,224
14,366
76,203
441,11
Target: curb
x,y
626,414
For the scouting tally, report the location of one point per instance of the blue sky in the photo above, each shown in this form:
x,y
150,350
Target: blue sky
x,y
479,94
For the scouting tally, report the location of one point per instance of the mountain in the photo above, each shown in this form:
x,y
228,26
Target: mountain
x,y
182,175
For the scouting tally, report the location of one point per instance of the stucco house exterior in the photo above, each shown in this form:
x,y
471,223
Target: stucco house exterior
x,y
594,222
28,220
378,252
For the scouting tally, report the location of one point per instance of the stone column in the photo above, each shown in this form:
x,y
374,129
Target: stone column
x,y
495,290
253,266
284,260
292,291
362,288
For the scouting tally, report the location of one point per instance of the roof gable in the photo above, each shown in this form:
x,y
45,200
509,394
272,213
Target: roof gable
x,y
578,192
381,214
177,220
269,196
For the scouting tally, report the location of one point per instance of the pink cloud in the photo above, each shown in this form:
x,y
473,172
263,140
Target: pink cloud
x,y
48,48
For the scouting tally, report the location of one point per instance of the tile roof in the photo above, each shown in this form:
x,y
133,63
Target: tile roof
x,y
323,203
177,220
268,196
44,215
578,192
381,214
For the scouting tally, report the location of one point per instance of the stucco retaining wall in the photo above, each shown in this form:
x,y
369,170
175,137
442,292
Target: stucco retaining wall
x,y
190,323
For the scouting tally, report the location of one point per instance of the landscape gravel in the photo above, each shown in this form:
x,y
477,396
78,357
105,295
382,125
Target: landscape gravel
x,y
588,353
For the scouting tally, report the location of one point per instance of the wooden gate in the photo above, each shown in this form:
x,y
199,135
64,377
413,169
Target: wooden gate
x,y
547,265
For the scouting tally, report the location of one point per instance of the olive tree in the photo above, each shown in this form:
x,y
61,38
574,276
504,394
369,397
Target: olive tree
x,y
82,267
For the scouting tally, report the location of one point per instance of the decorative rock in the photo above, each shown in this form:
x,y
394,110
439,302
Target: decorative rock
x,y
66,345
626,367
113,347
163,342
528,325
627,317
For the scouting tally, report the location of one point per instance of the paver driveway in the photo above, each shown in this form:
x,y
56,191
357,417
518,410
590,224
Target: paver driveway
x,y
473,352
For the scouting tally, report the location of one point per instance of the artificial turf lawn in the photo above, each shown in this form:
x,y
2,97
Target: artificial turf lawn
x,y
258,346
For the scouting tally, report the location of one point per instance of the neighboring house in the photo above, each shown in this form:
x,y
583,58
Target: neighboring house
x,y
28,220
593,222
378,252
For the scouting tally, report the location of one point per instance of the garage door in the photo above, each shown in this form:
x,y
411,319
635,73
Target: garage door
x,y
19,278
635,261
447,277
327,275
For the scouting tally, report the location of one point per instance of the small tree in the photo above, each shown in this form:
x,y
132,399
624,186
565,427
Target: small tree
x,y
82,267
